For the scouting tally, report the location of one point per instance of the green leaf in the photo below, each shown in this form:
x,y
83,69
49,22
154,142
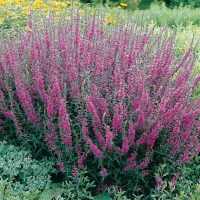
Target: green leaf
x,y
47,194
22,175
102,196
56,185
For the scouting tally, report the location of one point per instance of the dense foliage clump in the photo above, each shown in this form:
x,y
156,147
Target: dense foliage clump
x,y
22,177
107,98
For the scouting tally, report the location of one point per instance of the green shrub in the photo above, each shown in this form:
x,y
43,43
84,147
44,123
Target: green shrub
x,y
178,183
126,4
131,4
7,192
163,15
192,3
21,177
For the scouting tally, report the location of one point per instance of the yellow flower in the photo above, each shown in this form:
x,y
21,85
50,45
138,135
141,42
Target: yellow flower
x,y
45,14
61,4
28,8
81,12
2,20
59,12
19,1
68,3
119,7
9,14
123,4
110,21
16,6
77,3
39,1
25,12
57,19
47,8
54,3
37,4
87,7
92,13
114,21
27,28
56,9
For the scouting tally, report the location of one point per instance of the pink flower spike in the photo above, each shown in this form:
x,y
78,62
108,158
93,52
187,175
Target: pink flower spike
x,y
174,179
61,165
145,174
75,170
159,182
104,172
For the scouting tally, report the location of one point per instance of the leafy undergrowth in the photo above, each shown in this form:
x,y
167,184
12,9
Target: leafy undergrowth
x,y
23,178
116,109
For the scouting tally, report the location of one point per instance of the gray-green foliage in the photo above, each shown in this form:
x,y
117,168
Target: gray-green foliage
x,y
117,193
187,186
163,15
21,176
132,4
189,191
7,192
77,187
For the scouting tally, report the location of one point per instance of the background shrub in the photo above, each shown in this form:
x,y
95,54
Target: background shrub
x,y
162,15
192,3
127,4
177,3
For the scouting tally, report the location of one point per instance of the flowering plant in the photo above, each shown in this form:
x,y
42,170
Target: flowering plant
x,y
106,99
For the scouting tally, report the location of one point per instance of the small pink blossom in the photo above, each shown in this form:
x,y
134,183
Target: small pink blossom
x,y
141,118
40,82
132,158
143,164
174,179
68,140
128,168
96,150
145,174
109,138
8,114
125,146
104,172
75,170
61,165
50,108
81,160
159,182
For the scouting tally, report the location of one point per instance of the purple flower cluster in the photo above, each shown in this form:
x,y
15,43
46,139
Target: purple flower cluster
x,y
126,80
